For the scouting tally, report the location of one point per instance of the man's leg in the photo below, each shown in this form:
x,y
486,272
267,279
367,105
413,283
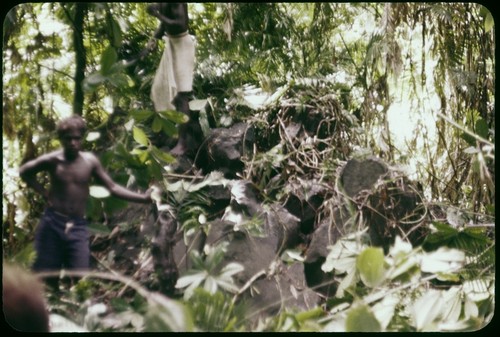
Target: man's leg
x,y
78,250
48,247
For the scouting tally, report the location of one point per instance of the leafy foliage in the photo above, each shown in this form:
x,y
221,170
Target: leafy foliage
x,y
209,273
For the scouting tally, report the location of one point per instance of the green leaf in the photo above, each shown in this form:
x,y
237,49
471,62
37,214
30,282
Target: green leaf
x,y
444,234
99,192
370,264
482,128
362,319
169,128
174,116
120,80
141,115
114,204
108,58
468,138
117,33
142,155
157,124
140,136
119,304
161,156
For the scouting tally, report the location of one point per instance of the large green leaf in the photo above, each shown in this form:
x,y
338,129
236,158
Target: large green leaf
x,y
157,124
120,80
482,128
370,265
117,32
108,58
169,128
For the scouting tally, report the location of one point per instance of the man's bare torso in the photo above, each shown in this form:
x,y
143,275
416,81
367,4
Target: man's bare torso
x,y
69,182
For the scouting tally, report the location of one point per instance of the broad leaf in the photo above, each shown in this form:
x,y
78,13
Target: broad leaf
x,y
482,128
370,264
108,58
117,32
140,136
157,124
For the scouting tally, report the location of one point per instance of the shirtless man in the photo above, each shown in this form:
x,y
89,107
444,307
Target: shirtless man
x,y
61,238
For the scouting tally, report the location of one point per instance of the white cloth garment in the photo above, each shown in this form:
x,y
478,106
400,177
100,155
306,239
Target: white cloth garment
x,y
175,72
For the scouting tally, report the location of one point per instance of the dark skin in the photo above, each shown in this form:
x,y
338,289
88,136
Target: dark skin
x,y
173,18
71,172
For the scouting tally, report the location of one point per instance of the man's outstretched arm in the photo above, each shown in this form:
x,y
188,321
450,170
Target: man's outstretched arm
x,y
118,190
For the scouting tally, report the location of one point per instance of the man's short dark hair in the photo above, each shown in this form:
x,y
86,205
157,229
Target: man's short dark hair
x,y
74,122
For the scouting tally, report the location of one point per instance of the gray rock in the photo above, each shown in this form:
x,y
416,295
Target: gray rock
x,y
358,175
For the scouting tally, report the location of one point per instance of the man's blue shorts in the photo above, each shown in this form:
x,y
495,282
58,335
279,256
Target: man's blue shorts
x,y
61,242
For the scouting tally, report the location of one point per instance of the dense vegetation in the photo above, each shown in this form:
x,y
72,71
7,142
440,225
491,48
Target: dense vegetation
x,y
410,83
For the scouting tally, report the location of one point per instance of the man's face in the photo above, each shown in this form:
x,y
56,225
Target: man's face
x,y
72,142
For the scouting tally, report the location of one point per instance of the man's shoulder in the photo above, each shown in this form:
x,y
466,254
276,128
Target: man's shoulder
x,y
89,156
51,156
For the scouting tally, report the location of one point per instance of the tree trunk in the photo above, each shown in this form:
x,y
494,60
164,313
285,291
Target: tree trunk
x,y
80,11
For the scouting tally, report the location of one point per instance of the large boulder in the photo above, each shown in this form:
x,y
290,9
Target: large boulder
x,y
224,148
256,237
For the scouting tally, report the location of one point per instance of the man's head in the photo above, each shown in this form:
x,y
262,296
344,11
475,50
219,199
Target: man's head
x,y
70,132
